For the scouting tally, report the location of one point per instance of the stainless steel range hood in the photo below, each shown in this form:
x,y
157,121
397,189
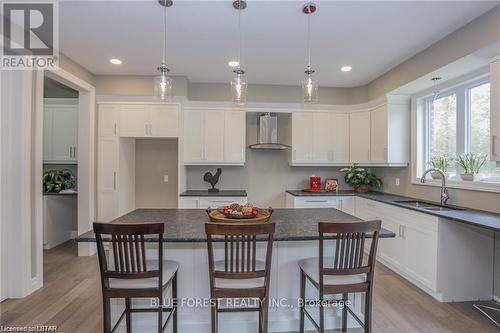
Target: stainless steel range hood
x,y
267,133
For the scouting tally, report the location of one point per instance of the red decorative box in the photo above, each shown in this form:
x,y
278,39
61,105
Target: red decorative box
x,y
315,183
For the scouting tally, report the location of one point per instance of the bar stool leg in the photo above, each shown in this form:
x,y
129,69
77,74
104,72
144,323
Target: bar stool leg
x,y
160,317
106,315
302,299
321,314
127,315
260,315
265,314
344,312
214,317
174,303
368,312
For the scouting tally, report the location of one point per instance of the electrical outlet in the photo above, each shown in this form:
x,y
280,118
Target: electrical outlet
x,y
397,181
165,178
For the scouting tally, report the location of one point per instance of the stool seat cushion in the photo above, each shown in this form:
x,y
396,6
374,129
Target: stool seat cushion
x,y
310,267
169,269
239,283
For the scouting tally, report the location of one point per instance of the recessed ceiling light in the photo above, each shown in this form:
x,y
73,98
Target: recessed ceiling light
x,y
346,68
233,63
115,61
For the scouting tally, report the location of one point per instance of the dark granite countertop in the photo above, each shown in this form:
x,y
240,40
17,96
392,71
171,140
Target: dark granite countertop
x,y
188,225
473,217
222,193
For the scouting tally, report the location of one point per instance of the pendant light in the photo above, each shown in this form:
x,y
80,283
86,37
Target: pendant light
x,y
435,81
309,84
163,83
239,85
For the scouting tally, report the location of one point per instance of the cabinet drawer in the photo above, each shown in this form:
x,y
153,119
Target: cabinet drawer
x,y
205,202
317,202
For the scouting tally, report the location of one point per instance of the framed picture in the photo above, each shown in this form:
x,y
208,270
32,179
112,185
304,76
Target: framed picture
x,y
332,185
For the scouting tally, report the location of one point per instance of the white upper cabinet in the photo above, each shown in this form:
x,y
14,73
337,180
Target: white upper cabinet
x,y
319,138
302,126
340,137
359,139
495,108
60,132
107,121
149,120
214,137
379,135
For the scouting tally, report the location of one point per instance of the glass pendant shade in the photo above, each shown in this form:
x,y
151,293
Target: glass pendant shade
x,y
239,88
163,87
309,90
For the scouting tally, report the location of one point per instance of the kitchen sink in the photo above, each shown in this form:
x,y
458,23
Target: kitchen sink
x,y
426,205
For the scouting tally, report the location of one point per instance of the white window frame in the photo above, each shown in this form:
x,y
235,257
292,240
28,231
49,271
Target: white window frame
x,y
419,137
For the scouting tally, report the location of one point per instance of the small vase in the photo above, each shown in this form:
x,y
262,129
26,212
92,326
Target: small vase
x,y
468,176
435,175
361,189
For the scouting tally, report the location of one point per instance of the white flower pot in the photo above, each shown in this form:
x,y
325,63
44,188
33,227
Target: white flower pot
x,y
437,175
468,176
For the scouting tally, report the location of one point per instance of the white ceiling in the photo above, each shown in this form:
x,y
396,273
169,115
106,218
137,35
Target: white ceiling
x,y
371,36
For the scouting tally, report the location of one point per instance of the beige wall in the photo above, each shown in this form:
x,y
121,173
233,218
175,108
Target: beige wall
x,y
126,85
75,69
481,32
155,158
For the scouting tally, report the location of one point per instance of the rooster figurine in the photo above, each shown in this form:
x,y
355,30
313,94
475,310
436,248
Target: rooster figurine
x,y
212,179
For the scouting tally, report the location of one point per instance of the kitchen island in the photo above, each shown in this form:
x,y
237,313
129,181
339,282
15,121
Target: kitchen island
x,y
295,238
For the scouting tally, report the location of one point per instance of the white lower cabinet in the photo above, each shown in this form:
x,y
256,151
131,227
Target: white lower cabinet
x,y
212,202
426,248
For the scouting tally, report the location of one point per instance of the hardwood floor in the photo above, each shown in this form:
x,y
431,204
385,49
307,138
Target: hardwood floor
x,y
71,299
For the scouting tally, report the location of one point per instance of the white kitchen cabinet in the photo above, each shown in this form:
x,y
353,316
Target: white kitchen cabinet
x,y
378,135
343,203
359,137
214,137
115,158
212,202
320,138
450,261
302,128
495,109
149,120
60,132
235,137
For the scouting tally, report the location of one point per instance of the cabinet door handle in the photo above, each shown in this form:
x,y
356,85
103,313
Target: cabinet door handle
x,y
370,205
341,204
316,200
70,152
115,129
399,231
114,180
295,154
151,129
74,151
146,129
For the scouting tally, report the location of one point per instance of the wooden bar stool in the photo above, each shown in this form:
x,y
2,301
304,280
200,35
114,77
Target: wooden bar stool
x,y
133,275
343,273
240,274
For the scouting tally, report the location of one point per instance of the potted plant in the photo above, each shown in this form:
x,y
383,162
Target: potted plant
x,y
54,181
471,163
441,162
362,179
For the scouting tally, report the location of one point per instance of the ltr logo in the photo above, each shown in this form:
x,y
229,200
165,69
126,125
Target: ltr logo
x,y
30,36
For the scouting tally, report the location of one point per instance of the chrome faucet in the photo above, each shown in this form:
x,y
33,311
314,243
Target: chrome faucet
x,y
444,189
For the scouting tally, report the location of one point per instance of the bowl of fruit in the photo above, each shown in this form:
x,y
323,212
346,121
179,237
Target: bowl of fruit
x,y
237,211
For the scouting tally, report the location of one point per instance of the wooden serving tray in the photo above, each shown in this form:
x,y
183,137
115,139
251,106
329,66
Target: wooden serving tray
x,y
216,216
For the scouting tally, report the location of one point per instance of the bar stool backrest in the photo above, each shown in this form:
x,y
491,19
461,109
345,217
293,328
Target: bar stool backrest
x,y
129,251
349,248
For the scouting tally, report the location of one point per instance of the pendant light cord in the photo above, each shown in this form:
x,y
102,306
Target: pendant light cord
x,y
239,37
309,40
165,37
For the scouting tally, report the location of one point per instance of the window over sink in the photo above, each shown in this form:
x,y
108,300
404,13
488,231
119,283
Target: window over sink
x,y
452,122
